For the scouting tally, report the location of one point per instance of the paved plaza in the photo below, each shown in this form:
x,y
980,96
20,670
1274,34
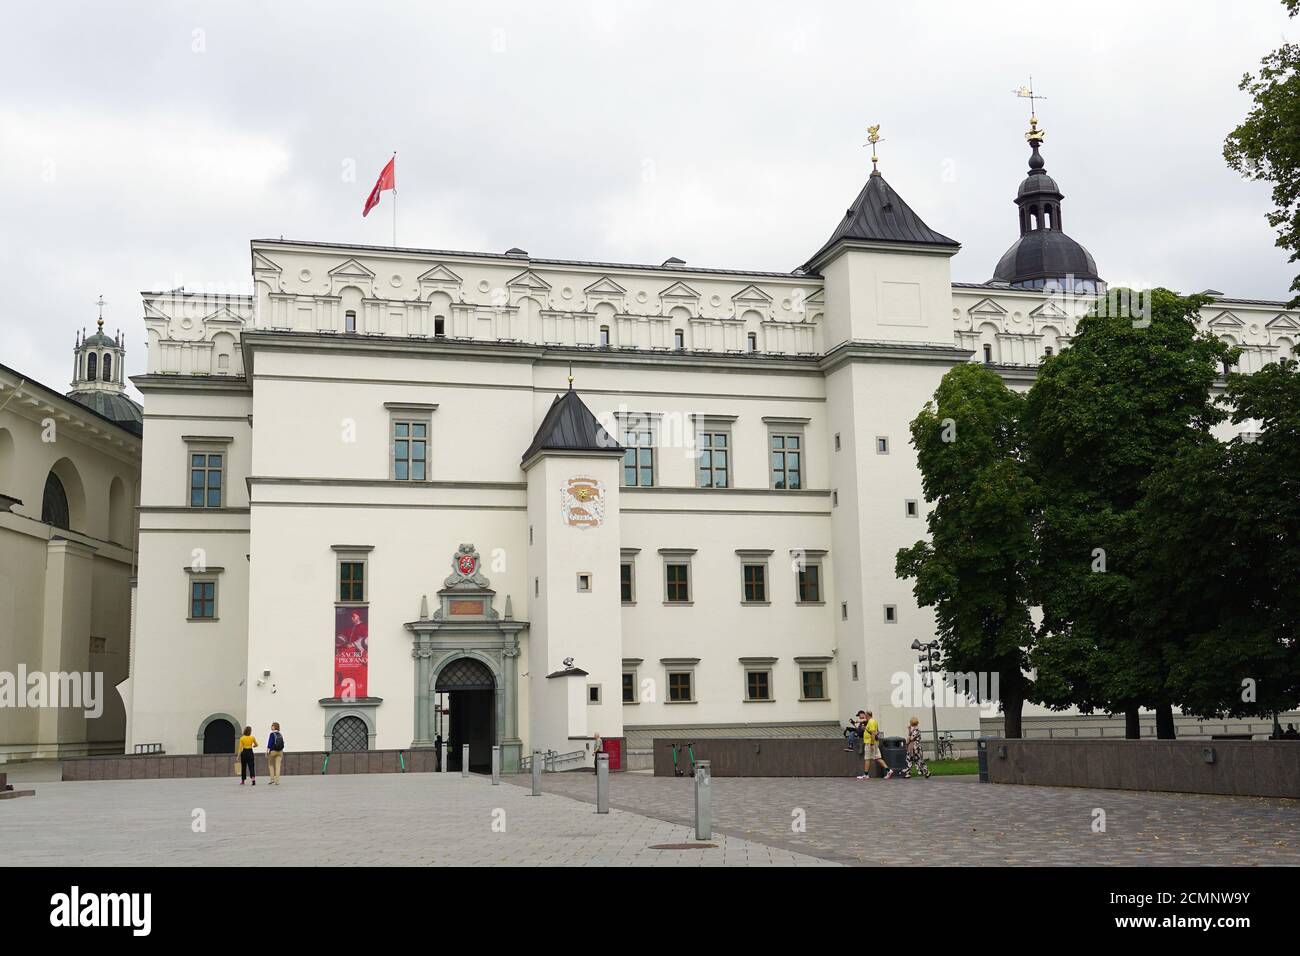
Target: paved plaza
x,y
957,821
444,820
377,819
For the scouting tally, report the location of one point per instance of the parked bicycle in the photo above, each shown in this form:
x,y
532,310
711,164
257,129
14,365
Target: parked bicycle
x,y
946,749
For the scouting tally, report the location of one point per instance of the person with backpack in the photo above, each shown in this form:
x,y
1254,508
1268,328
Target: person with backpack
x,y
274,753
247,763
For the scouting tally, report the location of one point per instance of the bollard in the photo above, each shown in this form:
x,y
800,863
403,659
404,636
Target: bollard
x,y
496,765
443,765
464,760
703,801
537,774
602,783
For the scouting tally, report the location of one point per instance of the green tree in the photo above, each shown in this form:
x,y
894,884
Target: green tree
x,y
1123,400
1266,146
1222,556
974,571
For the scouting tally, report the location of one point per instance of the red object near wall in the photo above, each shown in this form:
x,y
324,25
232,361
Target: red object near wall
x,y
613,747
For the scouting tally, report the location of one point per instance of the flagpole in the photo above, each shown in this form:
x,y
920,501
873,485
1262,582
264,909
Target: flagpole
x,y
394,200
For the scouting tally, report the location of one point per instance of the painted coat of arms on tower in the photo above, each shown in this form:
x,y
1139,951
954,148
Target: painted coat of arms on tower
x,y
582,503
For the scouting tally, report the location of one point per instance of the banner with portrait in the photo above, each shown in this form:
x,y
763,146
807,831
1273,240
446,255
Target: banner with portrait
x,y
351,652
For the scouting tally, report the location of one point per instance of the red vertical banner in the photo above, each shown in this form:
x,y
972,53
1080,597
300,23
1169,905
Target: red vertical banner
x,y
351,652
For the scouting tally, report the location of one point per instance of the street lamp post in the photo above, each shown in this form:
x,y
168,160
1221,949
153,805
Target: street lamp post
x,y
927,659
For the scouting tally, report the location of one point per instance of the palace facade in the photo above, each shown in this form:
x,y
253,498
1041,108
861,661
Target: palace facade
x,y
402,495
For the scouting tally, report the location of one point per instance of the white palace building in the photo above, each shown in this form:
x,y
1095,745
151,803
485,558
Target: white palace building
x,y
398,495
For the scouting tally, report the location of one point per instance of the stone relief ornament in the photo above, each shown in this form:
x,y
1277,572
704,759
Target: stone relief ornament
x,y
582,503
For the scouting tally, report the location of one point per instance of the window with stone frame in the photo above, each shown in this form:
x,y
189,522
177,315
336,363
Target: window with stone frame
x,y
639,452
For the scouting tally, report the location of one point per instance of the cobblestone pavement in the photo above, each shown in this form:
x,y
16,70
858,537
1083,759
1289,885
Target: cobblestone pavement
x,y
376,819
959,821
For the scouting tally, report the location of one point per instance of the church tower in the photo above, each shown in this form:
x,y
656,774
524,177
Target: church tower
x,y
99,377
1044,257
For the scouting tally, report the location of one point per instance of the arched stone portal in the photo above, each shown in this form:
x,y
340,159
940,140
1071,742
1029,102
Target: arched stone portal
x,y
470,688
477,650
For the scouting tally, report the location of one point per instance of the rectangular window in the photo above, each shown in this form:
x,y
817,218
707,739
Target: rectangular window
x,y
837,441
679,339
751,342
882,445
988,355
593,693
755,583
891,614
629,687
677,580
787,461
810,586
203,600
758,685
813,684
584,582
912,508
844,610
410,450
206,471
352,582
679,686
439,327
639,457
627,582
604,336
713,467
349,321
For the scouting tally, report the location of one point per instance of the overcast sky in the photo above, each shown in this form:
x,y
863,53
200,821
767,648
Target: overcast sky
x,y
142,145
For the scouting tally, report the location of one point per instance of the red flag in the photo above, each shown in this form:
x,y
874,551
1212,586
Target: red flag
x,y
387,180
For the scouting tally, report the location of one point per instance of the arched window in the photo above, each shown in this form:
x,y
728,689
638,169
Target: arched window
x,y
350,735
54,505
108,367
91,366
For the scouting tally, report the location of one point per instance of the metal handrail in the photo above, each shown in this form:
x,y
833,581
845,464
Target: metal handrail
x,y
551,759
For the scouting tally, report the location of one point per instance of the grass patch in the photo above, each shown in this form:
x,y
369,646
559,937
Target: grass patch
x,y
954,768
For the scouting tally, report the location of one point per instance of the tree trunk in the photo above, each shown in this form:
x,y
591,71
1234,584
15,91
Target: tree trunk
x,y
1132,723
1012,691
1165,722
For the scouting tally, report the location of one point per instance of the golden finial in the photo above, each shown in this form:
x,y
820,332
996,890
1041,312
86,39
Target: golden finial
x,y
1035,135
873,137
100,303
570,376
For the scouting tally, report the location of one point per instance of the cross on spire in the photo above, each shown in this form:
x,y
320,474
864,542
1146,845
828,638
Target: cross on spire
x,y
100,303
1035,135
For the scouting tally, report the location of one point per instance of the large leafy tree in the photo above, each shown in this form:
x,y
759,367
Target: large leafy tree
x,y
974,571
1131,393
1221,556
1266,146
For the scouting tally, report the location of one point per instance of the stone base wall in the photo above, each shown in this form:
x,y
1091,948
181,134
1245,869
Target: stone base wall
x,y
761,757
163,766
1255,768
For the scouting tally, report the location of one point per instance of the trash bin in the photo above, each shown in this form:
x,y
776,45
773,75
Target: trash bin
x,y
983,747
893,750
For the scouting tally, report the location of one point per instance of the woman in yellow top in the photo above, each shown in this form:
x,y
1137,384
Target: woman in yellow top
x,y
247,766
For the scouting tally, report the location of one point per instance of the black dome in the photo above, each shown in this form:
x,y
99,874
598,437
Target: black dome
x,y
1044,254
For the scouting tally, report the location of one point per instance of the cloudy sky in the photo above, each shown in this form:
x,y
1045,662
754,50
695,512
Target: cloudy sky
x,y
143,146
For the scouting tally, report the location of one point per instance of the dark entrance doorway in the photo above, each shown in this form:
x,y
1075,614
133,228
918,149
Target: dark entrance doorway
x,y
219,737
471,698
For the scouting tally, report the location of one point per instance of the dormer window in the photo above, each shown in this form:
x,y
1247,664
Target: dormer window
x,y
679,339
349,321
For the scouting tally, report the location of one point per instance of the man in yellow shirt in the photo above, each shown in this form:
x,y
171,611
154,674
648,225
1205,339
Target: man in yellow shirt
x,y
871,749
